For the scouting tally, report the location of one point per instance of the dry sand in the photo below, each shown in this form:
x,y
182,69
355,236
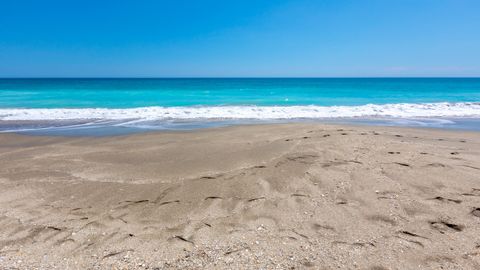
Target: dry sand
x,y
249,197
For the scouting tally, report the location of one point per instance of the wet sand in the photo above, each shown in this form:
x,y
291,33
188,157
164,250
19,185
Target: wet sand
x,y
303,196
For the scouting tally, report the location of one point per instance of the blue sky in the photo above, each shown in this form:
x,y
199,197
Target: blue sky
x,y
210,38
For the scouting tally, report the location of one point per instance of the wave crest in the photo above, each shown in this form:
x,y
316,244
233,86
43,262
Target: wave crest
x,y
401,110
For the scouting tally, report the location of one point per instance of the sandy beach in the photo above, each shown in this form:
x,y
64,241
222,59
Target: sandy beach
x,y
287,196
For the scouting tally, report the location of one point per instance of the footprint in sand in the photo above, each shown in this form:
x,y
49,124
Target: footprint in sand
x,y
412,234
442,199
168,202
181,238
402,164
213,198
474,192
442,226
476,212
383,219
256,199
318,227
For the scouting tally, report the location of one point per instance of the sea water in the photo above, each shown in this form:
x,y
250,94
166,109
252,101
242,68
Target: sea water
x,y
118,106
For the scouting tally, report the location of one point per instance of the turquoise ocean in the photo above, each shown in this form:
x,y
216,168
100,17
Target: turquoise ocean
x,y
120,106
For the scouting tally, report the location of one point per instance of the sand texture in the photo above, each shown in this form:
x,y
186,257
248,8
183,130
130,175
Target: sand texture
x,y
290,196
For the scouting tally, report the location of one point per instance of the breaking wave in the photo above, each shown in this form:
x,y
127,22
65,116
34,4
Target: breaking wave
x,y
400,110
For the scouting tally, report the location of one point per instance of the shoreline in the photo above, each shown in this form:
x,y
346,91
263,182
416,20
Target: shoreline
x,y
301,195
104,128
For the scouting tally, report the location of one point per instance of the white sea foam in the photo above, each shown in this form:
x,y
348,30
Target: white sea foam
x,y
401,110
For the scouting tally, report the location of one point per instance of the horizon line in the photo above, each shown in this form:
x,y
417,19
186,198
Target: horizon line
x,y
245,77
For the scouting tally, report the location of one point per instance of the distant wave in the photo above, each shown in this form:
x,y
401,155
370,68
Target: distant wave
x,y
400,110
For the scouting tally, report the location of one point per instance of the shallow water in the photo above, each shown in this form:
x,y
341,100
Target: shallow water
x,y
113,128
122,106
